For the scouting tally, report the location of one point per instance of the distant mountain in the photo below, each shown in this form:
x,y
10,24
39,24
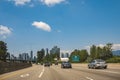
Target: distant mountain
x,y
116,53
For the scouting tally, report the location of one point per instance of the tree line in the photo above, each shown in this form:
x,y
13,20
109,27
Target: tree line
x,y
96,52
3,51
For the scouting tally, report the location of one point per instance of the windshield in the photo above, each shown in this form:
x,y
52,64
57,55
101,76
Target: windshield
x,y
100,60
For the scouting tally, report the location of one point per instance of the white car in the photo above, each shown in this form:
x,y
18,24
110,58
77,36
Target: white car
x,y
97,63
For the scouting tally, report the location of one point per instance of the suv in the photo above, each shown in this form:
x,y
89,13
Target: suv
x,y
47,64
97,63
56,63
66,65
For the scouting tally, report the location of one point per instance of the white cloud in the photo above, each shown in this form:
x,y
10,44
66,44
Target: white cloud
x,y
52,2
32,2
31,5
20,2
5,31
116,47
66,51
101,45
58,31
42,25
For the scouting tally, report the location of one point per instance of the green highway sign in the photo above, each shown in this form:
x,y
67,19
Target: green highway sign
x,y
76,58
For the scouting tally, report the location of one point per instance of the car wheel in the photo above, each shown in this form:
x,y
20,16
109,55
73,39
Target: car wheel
x,y
105,67
89,67
94,67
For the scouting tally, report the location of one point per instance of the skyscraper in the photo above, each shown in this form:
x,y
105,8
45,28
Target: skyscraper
x,y
55,50
31,55
46,51
66,55
62,55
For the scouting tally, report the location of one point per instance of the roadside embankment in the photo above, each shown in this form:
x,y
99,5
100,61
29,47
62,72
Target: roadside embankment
x,y
12,66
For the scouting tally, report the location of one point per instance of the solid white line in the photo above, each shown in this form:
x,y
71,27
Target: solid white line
x,y
89,78
41,73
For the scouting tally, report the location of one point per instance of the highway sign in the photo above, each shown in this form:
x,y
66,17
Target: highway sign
x,y
76,58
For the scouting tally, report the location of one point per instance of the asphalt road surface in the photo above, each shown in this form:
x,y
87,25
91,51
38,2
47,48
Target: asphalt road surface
x,y
78,72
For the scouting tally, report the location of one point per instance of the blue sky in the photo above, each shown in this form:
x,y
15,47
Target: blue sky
x,y
70,24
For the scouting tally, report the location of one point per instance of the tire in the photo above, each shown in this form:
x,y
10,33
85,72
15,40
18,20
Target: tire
x,y
89,67
94,67
105,67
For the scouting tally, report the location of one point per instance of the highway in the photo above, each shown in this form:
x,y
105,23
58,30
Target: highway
x,y
54,72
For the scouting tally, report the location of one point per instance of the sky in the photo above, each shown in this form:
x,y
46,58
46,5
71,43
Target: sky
x,y
27,25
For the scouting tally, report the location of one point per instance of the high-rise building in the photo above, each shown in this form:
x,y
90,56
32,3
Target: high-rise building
x,y
62,55
55,50
46,51
66,55
31,55
25,56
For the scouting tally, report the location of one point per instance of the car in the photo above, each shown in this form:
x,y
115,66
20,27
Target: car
x,y
51,63
47,64
97,63
66,65
41,63
56,63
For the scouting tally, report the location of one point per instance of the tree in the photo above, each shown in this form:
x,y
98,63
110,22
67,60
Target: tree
x,y
98,52
83,55
101,53
3,51
40,55
107,51
93,52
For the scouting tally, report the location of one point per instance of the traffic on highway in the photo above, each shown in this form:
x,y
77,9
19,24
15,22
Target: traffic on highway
x,y
59,39
56,72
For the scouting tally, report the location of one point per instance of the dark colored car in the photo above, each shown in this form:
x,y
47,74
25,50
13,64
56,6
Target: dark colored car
x,y
56,63
41,63
47,64
51,63
66,65
97,63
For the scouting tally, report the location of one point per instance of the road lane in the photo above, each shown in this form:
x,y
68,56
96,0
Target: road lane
x,y
16,75
96,74
55,72
51,74
106,74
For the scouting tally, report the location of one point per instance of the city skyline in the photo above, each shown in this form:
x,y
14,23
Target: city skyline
x,y
32,25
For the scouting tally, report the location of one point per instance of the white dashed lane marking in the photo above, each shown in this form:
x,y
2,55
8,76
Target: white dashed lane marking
x,y
89,78
24,75
41,73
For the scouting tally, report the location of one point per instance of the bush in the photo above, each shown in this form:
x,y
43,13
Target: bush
x,y
113,60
